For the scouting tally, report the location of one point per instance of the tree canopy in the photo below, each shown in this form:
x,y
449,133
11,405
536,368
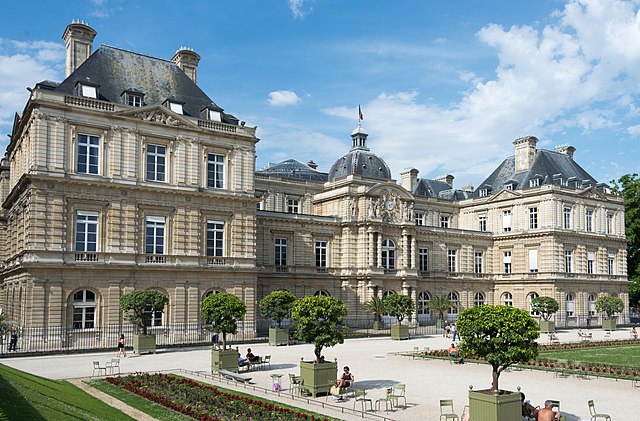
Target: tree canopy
x,y
546,306
629,187
320,320
609,304
375,306
277,306
440,304
221,313
502,335
138,306
398,306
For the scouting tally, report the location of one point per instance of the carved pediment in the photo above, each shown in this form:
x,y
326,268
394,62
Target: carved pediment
x,y
504,194
592,193
160,115
391,204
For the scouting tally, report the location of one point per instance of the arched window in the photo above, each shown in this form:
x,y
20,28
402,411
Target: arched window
x,y
157,318
507,299
423,299
385,294
388,254
322,293
212,292
455,299
570,305
591,304
478,299
84,309
529,298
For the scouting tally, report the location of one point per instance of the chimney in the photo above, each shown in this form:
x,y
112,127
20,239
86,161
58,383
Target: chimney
x,y
187,60
566,150
409,179
525,152
78,40
446,179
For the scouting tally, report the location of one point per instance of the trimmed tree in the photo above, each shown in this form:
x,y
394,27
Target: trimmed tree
x,y
277,306
320,320
138,307
221,313
609,304
399,306
501,335
375,306
440,304
546,306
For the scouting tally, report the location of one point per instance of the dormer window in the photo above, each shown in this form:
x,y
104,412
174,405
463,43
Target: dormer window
x,y
534,182
509,186
88,90
484,192
214,115
133,98
174,106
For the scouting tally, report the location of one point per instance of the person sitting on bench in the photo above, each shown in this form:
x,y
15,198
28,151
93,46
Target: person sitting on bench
x,y
455,353
252,358
242,361
346,379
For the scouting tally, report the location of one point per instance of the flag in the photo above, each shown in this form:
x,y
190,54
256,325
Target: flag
x,y
360,116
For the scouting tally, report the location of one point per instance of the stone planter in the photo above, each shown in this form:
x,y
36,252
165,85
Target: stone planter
x,y
318,378
144,344
224,360
484,405
378,325
278,336
547,326
399,332
609,324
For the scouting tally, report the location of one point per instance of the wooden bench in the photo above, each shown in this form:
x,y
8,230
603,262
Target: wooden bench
x,y
240,378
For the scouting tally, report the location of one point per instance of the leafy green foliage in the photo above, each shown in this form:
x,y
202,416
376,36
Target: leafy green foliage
x,y
398,306
277,306
502,335
320,320
4,326
629,187
375,306
138,306
546,306
440,304
609,304
222,312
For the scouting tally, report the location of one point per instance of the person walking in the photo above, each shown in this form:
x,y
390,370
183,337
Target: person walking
x,y
13,342
121,350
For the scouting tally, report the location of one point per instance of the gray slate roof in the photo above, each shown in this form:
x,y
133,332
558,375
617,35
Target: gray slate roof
x,y
115,70
434,188
362,162
293,169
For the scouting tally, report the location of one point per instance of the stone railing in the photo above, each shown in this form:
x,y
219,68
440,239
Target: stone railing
x,y
89,103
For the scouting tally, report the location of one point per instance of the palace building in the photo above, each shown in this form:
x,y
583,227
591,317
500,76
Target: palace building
x,y
126,176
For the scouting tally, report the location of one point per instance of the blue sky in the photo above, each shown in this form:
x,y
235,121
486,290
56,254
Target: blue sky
x,y
444,86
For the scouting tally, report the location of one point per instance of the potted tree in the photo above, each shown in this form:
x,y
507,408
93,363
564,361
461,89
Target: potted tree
x,y
399,306
320,321
221,313
610,305
440,304
547,307
375,306
277,307
503,336
138,307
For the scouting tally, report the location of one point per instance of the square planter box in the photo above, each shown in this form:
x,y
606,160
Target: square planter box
x,y
378,325
399,332
224,360
484,405
318,378
278,336
144,344
547,326
609,324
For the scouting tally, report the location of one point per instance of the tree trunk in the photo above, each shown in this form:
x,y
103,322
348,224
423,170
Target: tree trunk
x,y
318,352
224,341
494,382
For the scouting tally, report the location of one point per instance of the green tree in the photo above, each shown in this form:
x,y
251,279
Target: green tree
x,y
221,313
138,306
440,304
320,320
277,306
609,304
629,187
4,326
546,306
502,335
375,306
398,306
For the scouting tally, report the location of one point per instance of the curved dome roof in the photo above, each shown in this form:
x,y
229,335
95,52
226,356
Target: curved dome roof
x,y
360,162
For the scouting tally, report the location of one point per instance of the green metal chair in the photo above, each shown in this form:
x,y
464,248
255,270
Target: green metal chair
x,y
594,413
360,395
446,410
387,399
399,393
295,383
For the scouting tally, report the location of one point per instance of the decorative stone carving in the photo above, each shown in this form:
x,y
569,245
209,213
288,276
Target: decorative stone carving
x,y
157,116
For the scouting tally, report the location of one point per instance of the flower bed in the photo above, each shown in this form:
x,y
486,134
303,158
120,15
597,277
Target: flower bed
x,y
588,344
204,402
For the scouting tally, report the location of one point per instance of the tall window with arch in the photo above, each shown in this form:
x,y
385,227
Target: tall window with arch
x,y
423,300
570,305
591,304
507,299
455,299
157,318
530,298
84,309
388,254
385,294
322,293
478,299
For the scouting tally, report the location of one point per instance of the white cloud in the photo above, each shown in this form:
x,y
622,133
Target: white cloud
x,y
279,98
300,8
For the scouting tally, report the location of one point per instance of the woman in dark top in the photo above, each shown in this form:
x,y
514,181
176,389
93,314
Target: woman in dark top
x,y
121,350
346,379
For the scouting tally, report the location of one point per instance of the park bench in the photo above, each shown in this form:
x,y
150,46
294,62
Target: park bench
x,y
240,378
585,336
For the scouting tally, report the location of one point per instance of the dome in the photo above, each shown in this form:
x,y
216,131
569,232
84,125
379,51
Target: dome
x,y
293,169
360,162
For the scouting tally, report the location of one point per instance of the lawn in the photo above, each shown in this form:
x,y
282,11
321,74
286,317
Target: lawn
x,y
24,396
623,356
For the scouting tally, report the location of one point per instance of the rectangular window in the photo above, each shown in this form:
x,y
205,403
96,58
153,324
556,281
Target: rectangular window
x,y
293,206
175,107
281,251
215,238
482,223
419,218
589,220
591,257
506,221
533,260
568,257
156,162
444,221
84,317
215,115
154,235
321,254
609,223
88,154
567,218
533,218
534,182
477,261
612,263
215,171
506,260
89,91
508,186
451,260
86,231
483,192
134,100
570,305
423,254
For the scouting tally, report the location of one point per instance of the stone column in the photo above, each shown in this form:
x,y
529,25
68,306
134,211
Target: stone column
x,y
379,251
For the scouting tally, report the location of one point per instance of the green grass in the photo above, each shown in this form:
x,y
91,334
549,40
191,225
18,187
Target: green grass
x,y
24,396
623,356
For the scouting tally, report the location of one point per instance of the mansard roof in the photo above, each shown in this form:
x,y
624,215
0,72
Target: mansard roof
x,y
115,70
293,169
434,188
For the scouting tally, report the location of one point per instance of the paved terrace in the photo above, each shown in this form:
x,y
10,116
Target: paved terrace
x,y
376,367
